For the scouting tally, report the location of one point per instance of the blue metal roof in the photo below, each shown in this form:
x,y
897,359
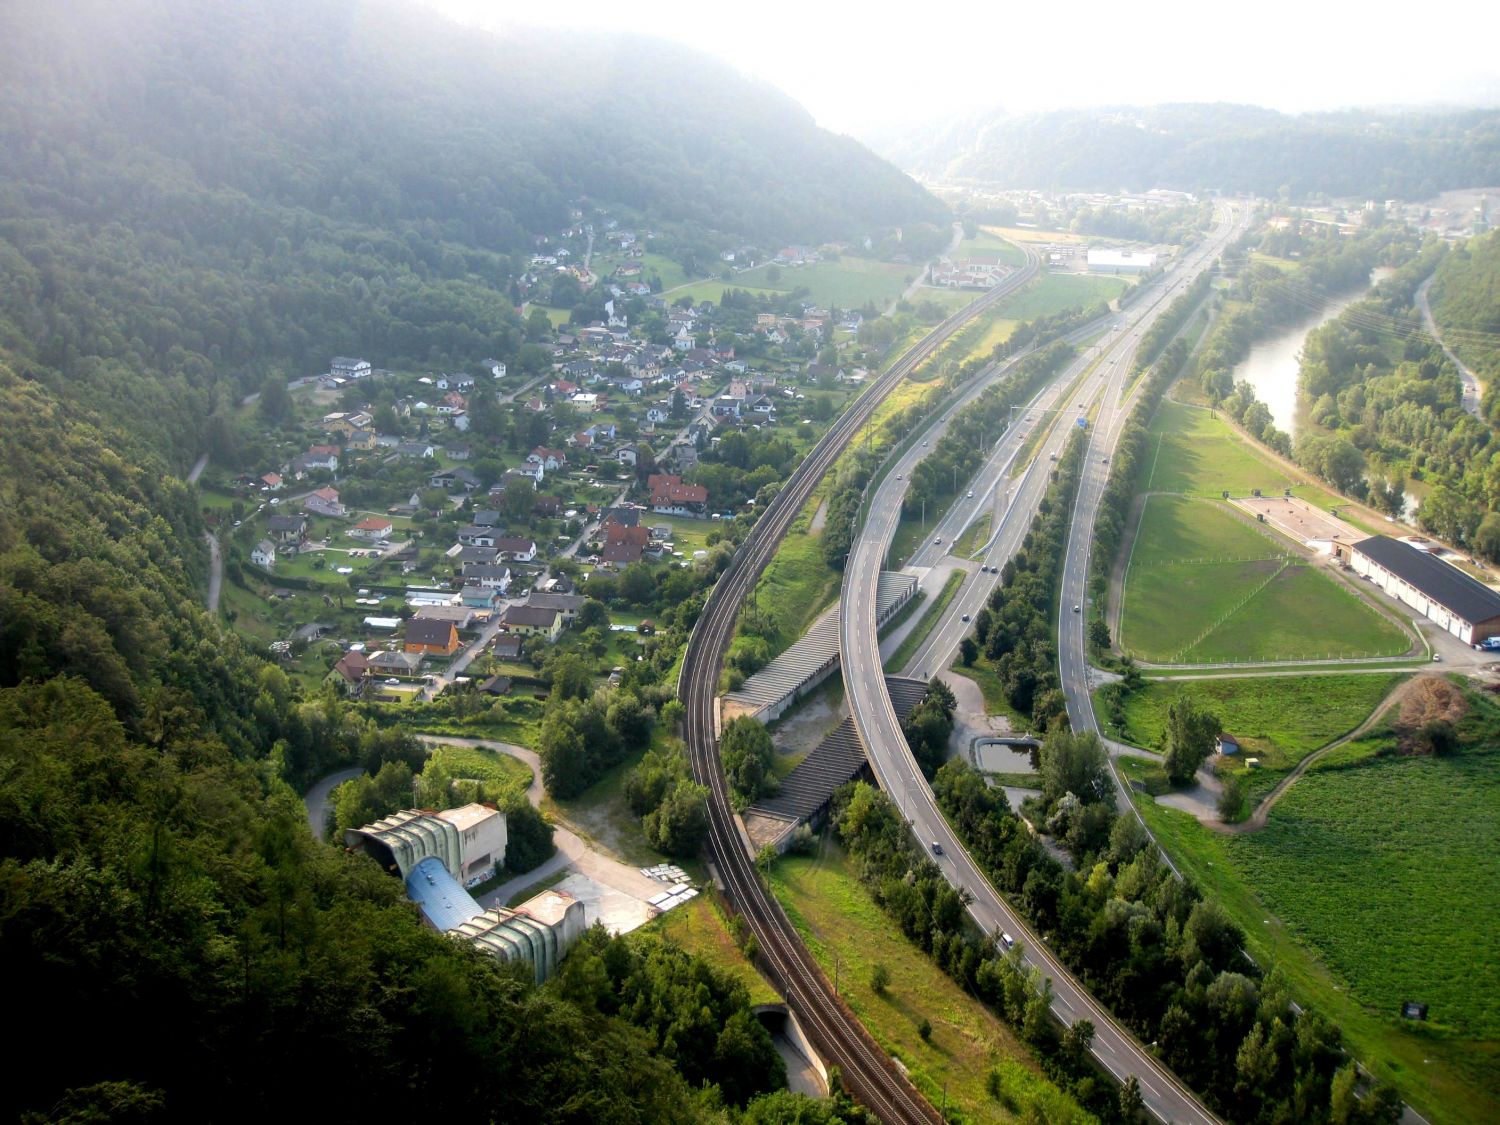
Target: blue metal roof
x,y
443,901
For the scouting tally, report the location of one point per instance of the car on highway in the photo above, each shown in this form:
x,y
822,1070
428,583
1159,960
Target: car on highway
x,y
937,541
971,494
937,848
966,619
1006,940
1076,609
924,445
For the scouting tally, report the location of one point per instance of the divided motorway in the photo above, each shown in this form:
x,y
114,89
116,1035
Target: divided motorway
x,y
838,1036
890,758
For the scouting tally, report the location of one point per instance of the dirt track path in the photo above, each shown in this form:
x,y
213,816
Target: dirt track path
x,y
1257,819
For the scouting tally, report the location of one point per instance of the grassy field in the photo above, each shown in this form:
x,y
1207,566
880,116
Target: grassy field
x,y
1032,234
986,244
1056,292
701,927
486,765
846,284
1373,883
838,919
1277,719
1178,529
1205,585
925,623
1196,452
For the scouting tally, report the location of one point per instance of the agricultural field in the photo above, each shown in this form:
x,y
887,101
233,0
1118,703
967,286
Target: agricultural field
x,y
849,934
605,262
848,283
988,244
1204,585
1056,292
1277,719
1371,884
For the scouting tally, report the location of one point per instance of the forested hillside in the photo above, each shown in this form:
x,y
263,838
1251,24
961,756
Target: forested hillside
x,y
192,194
1465,301
195,197
1197,147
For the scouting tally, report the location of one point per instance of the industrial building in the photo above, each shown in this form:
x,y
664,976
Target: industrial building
x,y
438,854
1442,593
1120,261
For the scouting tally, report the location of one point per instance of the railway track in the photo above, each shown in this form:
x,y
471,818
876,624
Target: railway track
x,y
868,1073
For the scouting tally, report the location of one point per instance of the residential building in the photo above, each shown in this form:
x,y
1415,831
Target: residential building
x,y
566,604
615,556
264,554
670,497
533,621
372,528
403,664
516,549
431,637
350,672
347,367
324,502
288,530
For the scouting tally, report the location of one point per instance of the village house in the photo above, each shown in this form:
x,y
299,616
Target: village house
x,y
270,482
616,556
347,367
486,574
288,530
480,597
395,663
449,479
264,554
506,647
431,637
566,604
350,672
670,497
516,549
533,621
552,460
324,502
372,529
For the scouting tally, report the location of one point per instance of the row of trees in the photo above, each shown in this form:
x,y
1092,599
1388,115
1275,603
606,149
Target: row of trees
x,y
1169,964
931,913
1016,629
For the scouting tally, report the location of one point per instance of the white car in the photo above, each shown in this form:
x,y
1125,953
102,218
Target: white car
x,y
971,494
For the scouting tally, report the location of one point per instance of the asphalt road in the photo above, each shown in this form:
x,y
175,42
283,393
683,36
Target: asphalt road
x,y
891,759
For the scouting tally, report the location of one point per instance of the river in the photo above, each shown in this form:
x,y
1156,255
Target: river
x,y
1273,363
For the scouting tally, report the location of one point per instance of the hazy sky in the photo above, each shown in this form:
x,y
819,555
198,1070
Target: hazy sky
x,y
852,65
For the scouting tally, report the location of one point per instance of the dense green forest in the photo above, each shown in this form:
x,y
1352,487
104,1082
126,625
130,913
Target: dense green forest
x,y
1234,148
1465,301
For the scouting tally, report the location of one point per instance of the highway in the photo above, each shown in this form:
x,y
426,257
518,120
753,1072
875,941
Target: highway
x,y
1100,396
837,1035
